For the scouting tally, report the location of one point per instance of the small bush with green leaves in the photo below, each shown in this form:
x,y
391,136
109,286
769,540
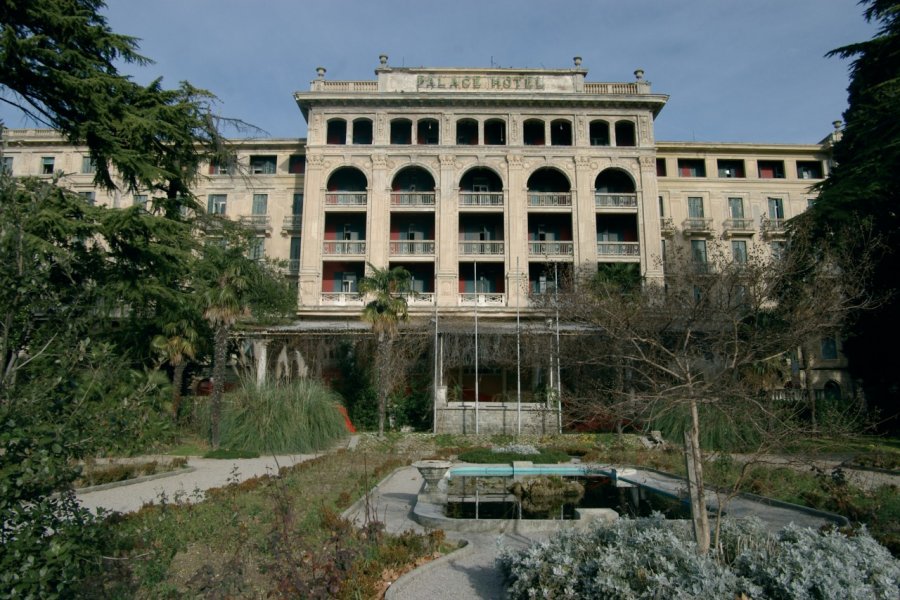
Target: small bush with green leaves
x,y
655,558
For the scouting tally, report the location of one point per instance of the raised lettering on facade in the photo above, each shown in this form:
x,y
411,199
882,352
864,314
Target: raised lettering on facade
x,y
481,83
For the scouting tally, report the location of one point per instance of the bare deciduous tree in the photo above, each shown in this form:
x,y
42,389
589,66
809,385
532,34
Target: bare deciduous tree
x,y
711,341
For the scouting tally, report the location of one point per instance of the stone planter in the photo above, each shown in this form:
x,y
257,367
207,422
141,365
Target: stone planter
x,y
432,472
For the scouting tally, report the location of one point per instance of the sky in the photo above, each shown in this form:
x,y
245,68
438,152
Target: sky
x,y
734,70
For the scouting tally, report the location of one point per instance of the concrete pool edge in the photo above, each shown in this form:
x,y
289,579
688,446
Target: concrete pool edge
x,y
428,510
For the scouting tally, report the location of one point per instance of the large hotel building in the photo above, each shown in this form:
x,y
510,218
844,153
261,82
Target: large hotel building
x,y
483,184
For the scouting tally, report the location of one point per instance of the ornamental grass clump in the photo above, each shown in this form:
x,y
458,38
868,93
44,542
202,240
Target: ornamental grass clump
x,y
300,416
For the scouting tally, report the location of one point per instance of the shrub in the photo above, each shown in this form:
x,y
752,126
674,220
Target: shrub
x,y
488,456
300,416
52,548
655,558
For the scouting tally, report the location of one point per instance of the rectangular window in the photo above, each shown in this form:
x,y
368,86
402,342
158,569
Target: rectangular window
x,y
777,249
810,202
731,168
87,165
89,197
662,206
262,165
297,164
691,167
140,200
297,204
260,204
739,252
829,348
776,209
295,248
809,169
698,252
736,208
47,165
660,167
257,249
771,169
7,165
220,168
215,204
695,207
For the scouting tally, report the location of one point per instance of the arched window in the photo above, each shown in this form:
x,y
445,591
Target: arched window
x,y
599,133
401,131
428,132
533,132
362,131
832,391
495,132
467,132
561,133
625,133
337,132
614,181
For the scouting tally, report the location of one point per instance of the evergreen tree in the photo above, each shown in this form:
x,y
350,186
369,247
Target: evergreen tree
x,y
385,311
864,186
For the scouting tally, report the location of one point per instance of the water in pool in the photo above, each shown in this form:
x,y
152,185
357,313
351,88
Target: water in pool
x,y
553,498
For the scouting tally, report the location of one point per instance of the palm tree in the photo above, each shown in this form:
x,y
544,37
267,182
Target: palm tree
x,y
177,345
388,307
223,305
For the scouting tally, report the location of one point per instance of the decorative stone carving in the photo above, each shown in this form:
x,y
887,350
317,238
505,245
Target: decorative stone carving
x,y
379,161
645,131
648,162
585,162
379,125
515,161
448,160
315,160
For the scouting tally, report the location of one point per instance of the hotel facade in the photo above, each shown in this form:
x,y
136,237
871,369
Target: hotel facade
x,y
485,184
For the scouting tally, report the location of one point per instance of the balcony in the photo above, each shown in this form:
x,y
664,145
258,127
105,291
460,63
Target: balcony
x,y
292,267
481,198
619,249
551,249
341,298
773,228
481,248
482,299
735,227
667,226
549,199
292,223
344,248
256,222
420,299
696,226
412,248
412,198
615,201
346,198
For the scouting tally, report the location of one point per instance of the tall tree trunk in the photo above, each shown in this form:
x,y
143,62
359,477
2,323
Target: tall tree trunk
x,y
694,463
177,383
219,358
383,378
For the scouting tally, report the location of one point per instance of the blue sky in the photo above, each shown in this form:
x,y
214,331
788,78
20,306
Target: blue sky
x,y
735,70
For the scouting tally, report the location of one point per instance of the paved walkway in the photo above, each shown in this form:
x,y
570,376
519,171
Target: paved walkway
x,y
471,571
188,485
466,573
